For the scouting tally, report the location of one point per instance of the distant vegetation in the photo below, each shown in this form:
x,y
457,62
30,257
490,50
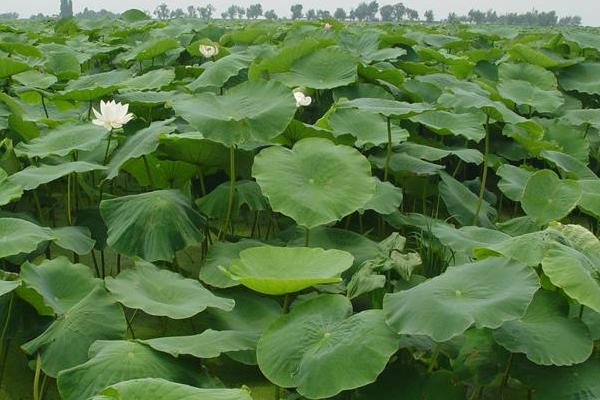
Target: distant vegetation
x,y
364,11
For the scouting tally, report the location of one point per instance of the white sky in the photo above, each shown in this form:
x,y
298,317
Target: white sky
x,y
589,10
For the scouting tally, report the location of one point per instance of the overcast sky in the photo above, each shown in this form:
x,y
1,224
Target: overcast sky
x,y
589,10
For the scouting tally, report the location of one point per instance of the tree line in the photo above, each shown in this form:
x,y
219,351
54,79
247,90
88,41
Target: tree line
x,y
364,11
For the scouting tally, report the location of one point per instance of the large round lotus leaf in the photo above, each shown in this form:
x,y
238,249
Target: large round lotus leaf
x,y
524,93
545,58
140,144
281,270
317,347
366,127
208,344
20,236
467,238
581,78
151,48
34,176
548,198
8,282
316,182
322,69
216,74
63,140
513,181
361,247
56,284
35,79
155,388
388,108
486,293
9,191
560,383
386,200
163,293
152,226
535,75
575,273
66,342
117,361
250,111
462,203
220,255
74,238
469,125
546,334
584,39
151,80
195,149
91,87
583,117
10,66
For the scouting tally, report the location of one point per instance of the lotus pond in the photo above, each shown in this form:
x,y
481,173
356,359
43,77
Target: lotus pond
x,y
276,210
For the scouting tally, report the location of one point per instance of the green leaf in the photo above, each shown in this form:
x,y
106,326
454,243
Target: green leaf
x,y
386,200
156,79
35,79
248,112
469,125
153,225
74,238
315,347
221,255
20,236
91,87
316,182
513,181
156,388
140,144
63,140
217,73
9,191
66,342
548,198
117,361
282,270
533,74
152,48
208,344
8,282
524,93
163,293
462,203
546,334
56,285
9,66
32,177
485,294
581,78
387,108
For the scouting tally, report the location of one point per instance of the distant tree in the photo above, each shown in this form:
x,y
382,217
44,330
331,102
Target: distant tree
x,y
413,15
177,13
234,11
270,14
10,15
323,14
570,20
241,12
206,12
387,12
476,16
452,17
399,11
373,8
191,12
162,11
366,12
491,16
224,15
38,16
311,14
254,11
340,14
429,16
92,14
296,10
66,8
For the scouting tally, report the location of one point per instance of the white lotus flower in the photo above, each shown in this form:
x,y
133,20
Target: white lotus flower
x,y
208,50
112,115
327,26
302,100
